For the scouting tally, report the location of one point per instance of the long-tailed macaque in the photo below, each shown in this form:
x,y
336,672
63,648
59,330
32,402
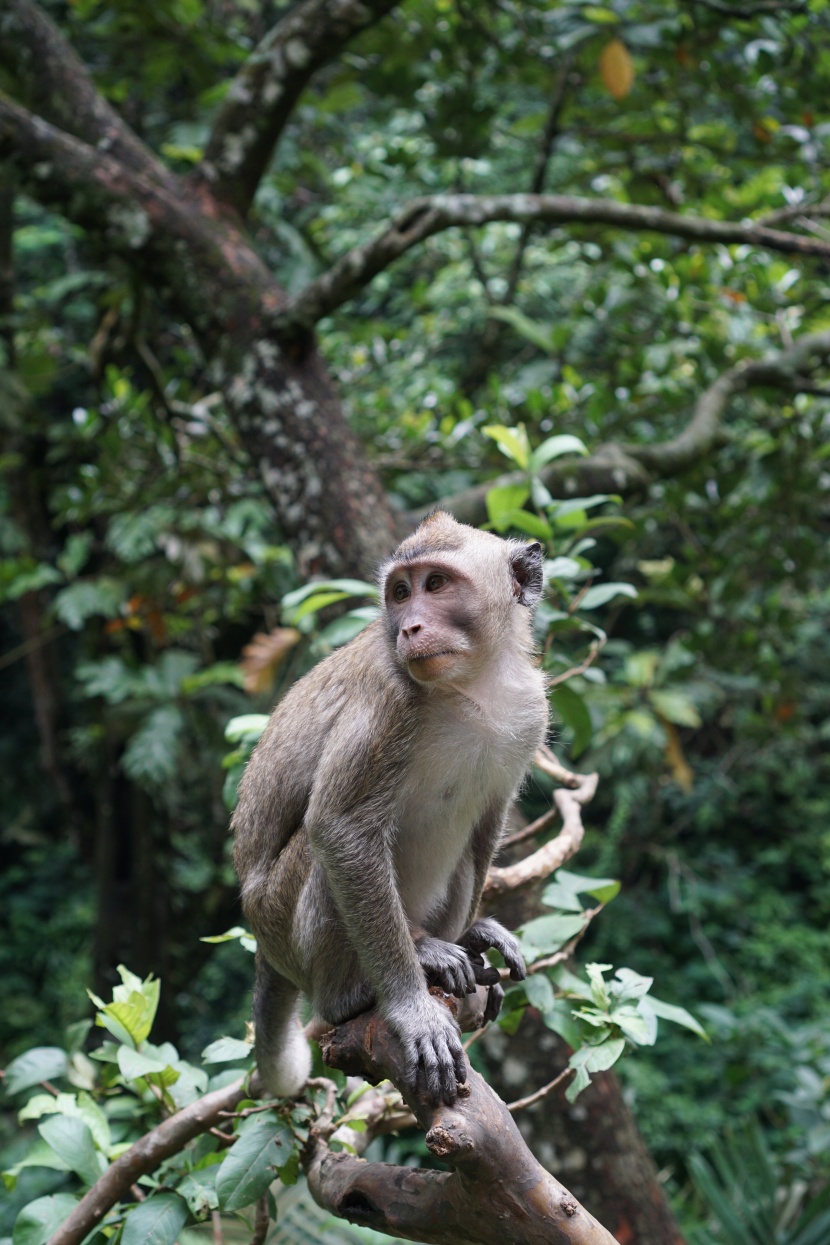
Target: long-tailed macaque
x,y
372,807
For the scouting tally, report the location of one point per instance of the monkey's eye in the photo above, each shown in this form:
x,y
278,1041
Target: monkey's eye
x,y
400,592
434,582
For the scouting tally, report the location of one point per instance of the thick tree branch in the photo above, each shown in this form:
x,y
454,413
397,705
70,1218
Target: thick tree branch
x,y
160,1143
57,85
424,217
265,90
329,502
496,1192
629,469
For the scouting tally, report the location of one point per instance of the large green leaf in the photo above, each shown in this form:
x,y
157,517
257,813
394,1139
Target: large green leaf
x,y
41,1218
250,1165
158,1221
41,1063
72,1141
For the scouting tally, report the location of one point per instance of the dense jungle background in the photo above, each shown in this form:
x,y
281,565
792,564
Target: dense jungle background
x,y
176,467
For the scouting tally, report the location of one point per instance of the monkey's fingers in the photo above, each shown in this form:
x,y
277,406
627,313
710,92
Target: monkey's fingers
x,y
437,1076
495,998
485,974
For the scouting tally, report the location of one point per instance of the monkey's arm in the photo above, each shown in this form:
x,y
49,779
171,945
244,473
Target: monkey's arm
x,y
357,862
350,826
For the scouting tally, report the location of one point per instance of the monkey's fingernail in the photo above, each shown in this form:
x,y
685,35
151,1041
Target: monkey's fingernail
x,y
464,1090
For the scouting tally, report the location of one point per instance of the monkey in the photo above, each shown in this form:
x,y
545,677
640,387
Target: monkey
x,y
372,806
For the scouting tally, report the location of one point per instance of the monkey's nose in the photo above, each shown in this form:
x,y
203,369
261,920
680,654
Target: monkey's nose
x,y
408,632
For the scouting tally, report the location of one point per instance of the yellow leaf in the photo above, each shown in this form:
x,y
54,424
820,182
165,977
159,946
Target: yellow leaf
x,y
616,68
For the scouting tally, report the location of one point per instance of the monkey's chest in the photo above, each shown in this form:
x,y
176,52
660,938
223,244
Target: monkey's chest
x,y
460,778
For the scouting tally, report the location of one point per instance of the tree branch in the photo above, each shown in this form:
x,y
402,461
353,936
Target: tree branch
x,y
540,864
629,469
422,218
168,1138
496,1192
57,85
265,90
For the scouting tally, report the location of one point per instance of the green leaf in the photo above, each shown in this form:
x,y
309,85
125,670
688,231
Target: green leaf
x,y
562,568
601,594
75,553
41,1218
80,601
677,1015
247,727
226,1049
158,1221
133,1065
527,523
556,896
199,1191
546,934
37,1155
581,1081
573,711
560,1018
503,501
604,1056
152,754
629,985
539,992
221,672
72,1141
555,447
313,604
81,1107
599,988
232,935
249,1167
512,442
634,1025
340,630
603,889
41,1063
540,335
675,707
345,587
133,1007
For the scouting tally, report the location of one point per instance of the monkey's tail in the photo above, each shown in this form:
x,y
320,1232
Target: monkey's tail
x,y
282,1053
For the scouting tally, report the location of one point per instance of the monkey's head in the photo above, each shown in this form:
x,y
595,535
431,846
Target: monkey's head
x,y
455,597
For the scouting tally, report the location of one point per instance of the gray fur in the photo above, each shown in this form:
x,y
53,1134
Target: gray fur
x,y
373,805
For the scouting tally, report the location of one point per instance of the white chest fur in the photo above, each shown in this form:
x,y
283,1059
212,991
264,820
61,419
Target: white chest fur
x,y
473,750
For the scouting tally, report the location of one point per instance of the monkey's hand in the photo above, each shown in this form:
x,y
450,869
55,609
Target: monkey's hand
x,y
451,967
435,1063
487,933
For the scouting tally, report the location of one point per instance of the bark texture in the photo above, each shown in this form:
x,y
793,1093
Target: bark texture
x,y
496,1192
594,1144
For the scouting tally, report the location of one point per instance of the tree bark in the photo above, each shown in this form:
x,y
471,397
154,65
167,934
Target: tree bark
x,y
594,1143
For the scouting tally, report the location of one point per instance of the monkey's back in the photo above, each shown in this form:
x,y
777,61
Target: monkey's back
x,y
323,733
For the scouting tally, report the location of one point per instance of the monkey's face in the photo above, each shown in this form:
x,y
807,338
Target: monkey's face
x,y
432,619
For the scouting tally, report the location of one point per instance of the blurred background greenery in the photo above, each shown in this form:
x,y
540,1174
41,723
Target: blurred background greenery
x,y
141,554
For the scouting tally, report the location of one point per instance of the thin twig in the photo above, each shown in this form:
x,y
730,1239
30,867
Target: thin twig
x,y
261,1221
521,1103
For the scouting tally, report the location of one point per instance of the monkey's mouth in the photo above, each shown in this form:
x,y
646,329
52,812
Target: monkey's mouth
x,y
443,652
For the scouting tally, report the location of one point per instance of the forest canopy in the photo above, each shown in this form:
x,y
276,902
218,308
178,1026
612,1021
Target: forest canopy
x,y
277,279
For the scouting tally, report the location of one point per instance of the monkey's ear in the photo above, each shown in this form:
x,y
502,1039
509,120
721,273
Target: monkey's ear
x,y
526,569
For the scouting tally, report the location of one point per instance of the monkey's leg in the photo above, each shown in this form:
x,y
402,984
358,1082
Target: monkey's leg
x,y
282,1052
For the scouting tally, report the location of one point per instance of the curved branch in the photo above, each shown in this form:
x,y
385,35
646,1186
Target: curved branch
x,y
58,86
424,217
540,864
168,1138
629,469
265,90
496,1192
